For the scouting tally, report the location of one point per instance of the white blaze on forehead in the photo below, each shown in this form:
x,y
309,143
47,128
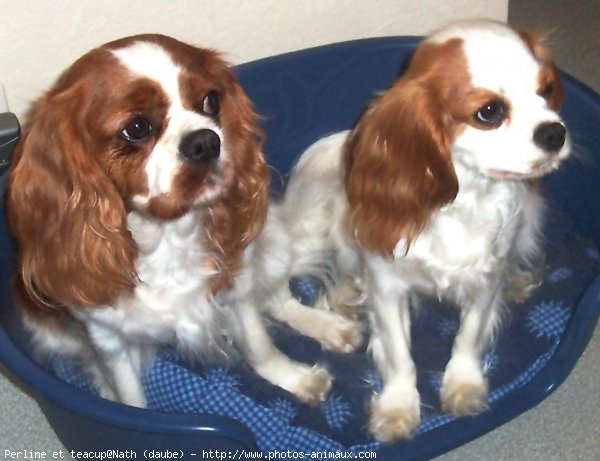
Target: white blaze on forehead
x,y
151,61
497,58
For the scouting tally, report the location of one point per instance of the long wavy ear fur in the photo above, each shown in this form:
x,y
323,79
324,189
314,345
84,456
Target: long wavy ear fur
x,y
66,217
239,216
398,168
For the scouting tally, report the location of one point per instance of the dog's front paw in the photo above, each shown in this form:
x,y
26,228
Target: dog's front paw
x,y
344,335
309,384
313,387
464,399
464,390
394,416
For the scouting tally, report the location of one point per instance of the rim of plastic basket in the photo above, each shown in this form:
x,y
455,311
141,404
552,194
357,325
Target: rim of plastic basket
x,y
405,41
83,403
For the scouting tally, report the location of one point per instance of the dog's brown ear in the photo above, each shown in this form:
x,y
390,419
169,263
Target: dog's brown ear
x,y
398,168
66,216
550,83
238,217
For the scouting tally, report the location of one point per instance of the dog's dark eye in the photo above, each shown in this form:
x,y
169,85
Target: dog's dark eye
x,y
491,113
547,91
138,129
210,104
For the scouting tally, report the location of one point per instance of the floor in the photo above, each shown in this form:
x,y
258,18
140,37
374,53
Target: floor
x,y
566,426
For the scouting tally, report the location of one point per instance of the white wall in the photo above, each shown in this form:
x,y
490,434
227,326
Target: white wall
x,y
40,38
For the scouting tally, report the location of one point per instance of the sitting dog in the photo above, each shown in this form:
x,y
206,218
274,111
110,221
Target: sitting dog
x,y
135,199
435,192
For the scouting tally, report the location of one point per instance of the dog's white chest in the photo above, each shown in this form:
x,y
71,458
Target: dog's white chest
x,y
471,236
171,303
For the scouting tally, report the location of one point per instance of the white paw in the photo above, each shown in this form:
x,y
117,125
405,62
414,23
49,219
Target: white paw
x,y
464,389
395,415
313,386
344,335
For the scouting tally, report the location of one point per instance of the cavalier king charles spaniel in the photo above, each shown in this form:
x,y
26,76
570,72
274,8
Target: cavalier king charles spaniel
x,y
435,193
135,199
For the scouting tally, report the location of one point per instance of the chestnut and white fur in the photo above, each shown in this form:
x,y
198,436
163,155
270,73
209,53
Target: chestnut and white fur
x,y
135,199
434,192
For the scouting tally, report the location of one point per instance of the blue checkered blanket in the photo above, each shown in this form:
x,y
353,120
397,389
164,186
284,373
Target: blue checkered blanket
x,y
524,346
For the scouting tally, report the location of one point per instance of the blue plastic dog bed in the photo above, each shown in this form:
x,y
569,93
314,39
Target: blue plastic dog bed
x,y
303,96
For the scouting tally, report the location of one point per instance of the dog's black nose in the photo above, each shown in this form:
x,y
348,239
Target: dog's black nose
x,y
200,146
550,136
